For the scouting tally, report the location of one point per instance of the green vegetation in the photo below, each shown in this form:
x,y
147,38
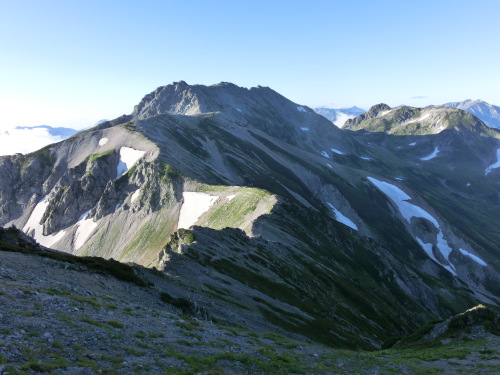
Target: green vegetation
x,y
92,158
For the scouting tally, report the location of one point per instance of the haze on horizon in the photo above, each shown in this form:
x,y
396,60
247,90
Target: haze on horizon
x,y
72,64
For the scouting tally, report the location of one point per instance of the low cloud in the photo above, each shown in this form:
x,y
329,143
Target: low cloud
x,y
25,140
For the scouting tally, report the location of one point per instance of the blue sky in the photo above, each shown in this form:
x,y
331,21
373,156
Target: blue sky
x,y
72,63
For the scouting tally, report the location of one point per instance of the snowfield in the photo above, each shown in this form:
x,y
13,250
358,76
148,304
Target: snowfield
x,y
128,158
494,165
341,218
431,155
412,144
408,210
337,151
195,204
325,154
304,129
329,165
475,258
103,141
301,109
33,223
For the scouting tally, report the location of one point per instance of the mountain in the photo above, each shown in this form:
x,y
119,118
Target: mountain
x,y
24,139
339,116
264,214
488,113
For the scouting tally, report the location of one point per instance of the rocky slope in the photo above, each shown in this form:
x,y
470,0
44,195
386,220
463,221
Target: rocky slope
x,y
60,316
345,237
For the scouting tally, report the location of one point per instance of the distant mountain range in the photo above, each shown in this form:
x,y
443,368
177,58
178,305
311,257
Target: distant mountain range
x,y
488,113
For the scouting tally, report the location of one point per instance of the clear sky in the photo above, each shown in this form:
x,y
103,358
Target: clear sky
x,y
72,63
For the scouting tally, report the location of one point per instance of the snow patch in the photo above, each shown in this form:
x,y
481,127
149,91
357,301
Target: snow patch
x,y
475,258
383,113
84,229
408,210
128,158
239,110
329,165
468,184
195,204
33,224
337,151
342,218
412,144
365,158
230,197
301,109
103,141
135,195
399,178
432,155
304,129
325,154
494,165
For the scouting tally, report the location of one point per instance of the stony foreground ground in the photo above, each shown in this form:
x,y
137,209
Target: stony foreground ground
x,y
60,318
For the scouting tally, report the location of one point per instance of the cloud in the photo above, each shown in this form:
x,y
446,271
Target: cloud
x,y
419,97
25,140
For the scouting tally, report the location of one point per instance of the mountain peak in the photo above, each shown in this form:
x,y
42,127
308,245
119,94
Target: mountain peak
x,y
373,112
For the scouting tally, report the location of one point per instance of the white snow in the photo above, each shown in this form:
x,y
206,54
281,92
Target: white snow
x,y
301,109
239,110
475,258
337,151
103,141
427,248
408,210
195,204
468,184
128,157
84,229
304,129
365,158
33,223
494,165
329,165
432,155
230,197
399,178
412,144
383,113
325,154
341,218
135,195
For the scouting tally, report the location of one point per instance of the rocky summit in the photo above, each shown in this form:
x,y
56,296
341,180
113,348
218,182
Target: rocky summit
x,y
248,210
